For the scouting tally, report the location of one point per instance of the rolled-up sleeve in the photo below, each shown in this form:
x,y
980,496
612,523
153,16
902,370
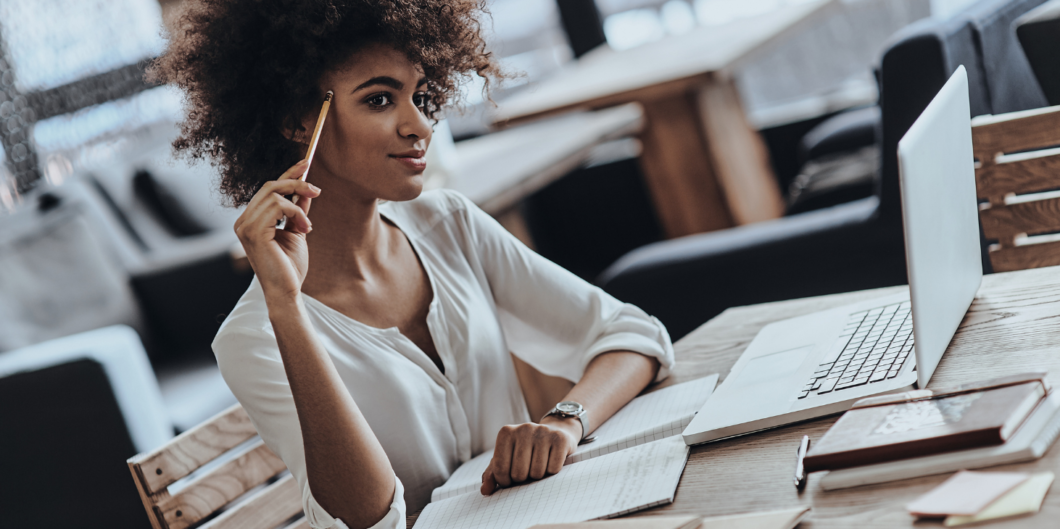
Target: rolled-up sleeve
x,y
251,365
552,319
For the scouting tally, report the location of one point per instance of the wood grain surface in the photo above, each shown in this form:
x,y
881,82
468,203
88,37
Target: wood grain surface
x,y
1006,222
1015,132
1024,257
678,171
1012,326
1025,174
270,507
193,449
200,498
1020,188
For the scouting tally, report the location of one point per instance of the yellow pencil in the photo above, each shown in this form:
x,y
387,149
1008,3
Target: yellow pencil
x,y
316,133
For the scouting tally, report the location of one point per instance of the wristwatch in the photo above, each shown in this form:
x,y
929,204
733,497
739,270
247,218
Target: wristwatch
x,y
568,409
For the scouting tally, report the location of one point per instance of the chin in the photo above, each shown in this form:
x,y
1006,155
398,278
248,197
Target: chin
x,y
408,189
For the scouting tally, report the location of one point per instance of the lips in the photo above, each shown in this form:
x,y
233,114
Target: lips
x,y
413,159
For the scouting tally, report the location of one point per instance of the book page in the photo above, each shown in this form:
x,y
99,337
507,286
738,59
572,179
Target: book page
x,y
657,415
603,487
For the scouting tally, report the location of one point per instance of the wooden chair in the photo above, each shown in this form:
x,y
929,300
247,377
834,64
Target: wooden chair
x,y
268,496
1018,174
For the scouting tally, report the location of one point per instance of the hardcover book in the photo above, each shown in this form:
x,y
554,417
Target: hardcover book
x,y
922,423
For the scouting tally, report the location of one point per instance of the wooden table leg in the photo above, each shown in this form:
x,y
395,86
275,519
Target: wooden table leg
x,y
741,160
679,171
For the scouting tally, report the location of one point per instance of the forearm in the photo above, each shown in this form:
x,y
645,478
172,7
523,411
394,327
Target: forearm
x,y
610,381
347,469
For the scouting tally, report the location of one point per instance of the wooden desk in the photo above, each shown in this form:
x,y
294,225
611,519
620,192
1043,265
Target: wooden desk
x,y
706,167
499,170
1013,326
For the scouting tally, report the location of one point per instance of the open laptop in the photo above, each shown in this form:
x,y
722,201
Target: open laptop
x,y
819,364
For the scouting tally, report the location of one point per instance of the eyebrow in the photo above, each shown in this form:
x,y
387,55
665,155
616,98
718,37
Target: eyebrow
x,y
387,81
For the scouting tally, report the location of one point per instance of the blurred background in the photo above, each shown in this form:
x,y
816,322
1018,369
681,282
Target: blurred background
x,y
685,155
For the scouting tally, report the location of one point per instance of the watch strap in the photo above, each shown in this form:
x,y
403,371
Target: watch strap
x,y
581,417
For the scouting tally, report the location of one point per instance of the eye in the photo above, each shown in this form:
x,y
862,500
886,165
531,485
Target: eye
x,y
379,100
420,100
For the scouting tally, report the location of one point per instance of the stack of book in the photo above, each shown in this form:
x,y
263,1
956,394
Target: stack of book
x,y
925,432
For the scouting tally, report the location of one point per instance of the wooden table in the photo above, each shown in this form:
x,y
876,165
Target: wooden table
x,y
706,167
1012,327
499,170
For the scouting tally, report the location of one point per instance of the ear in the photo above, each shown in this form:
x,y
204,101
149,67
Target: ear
x,y
299,133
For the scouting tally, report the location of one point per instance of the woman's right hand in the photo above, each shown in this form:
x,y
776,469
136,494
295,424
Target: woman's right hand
x,y
280,258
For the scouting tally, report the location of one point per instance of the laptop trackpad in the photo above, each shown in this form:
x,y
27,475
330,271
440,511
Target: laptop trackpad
x,y
771,369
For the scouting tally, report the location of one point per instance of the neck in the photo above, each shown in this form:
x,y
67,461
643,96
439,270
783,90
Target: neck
x,y
350,241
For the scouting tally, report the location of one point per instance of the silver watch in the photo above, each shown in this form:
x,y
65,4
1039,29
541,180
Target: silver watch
x,y
568,409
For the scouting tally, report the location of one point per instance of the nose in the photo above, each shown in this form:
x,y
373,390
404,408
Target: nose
x,y
414,124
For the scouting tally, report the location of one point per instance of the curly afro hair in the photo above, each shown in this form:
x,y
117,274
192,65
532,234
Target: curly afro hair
x,y
243,66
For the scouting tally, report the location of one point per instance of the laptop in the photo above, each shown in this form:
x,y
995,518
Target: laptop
x,y
821,363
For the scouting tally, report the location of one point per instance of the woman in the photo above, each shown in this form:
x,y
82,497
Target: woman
x,y
373,350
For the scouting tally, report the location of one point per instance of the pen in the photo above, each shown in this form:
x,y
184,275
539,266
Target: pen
x,y
800,471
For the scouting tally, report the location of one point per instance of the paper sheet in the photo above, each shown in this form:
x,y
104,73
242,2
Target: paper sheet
x,y
657,415
1026,498
602,487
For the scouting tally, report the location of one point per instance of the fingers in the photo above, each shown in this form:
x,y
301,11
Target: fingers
x,y
296,171
259,222
556,458
489,484
522,453
502,456
542,441
525,452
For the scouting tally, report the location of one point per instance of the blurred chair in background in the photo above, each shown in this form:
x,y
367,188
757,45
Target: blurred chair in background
x,y
1017,175
840,155
74,408
853,246
1039,34
110,229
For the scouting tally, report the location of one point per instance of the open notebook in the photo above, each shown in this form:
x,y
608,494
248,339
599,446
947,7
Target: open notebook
x,y
657,415
611,485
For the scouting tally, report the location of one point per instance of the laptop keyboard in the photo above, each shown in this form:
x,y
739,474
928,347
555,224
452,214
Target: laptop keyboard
x,y
872,347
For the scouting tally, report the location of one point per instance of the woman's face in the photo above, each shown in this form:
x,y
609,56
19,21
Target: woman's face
x,y
376,135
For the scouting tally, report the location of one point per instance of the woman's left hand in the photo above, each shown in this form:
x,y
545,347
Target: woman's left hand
x,y
530,451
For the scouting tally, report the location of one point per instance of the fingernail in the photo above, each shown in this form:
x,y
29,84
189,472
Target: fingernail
x,y
314,188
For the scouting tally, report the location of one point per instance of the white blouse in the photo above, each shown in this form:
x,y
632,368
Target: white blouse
x,y
492,295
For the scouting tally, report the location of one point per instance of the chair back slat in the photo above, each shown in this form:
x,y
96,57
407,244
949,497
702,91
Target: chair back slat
x,y
1006,222
1014,132
1018,174
200,498
1024,257
267,509
1023,174
194,448
230,489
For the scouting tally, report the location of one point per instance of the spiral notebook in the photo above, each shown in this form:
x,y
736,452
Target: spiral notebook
x,y
657,415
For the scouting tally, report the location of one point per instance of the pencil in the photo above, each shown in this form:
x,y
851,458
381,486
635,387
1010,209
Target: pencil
x,y
316,133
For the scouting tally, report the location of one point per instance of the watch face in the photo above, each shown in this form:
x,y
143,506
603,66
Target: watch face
x,y
572,408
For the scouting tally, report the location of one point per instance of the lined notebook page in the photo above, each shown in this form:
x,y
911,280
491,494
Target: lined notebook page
x,y
603,487
657,415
